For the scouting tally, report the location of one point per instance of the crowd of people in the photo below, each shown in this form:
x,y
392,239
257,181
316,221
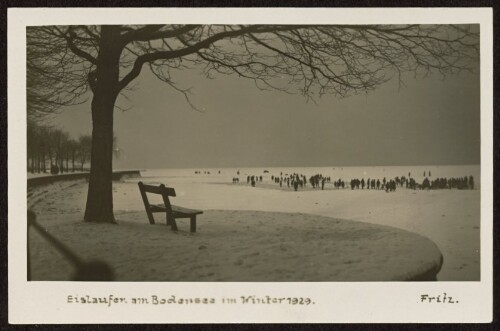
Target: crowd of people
x,y
386,185
318,181
294,180
297,180
461,183
197,172
253,180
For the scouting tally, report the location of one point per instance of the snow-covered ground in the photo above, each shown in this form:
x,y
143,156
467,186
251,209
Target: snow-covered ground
x,y
256,233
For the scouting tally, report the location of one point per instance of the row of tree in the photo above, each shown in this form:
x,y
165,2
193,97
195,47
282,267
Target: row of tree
x,y
52,149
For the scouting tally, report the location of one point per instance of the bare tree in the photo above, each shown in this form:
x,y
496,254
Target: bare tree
x,y
84,149
57,139
37,139
42,147
311,60
40,143
72,152
31,138
53,75
43,140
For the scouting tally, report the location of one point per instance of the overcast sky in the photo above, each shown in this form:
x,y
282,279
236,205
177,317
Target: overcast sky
x,y
429,122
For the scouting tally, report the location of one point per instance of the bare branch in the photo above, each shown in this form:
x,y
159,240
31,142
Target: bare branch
x,y
307,59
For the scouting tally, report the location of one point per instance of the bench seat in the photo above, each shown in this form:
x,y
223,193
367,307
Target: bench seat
x,y
176,210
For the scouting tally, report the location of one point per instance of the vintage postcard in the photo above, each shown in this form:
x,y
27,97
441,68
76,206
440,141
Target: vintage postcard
x,y
250,165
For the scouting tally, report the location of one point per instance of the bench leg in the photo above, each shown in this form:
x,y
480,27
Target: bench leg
x,y
172,223
150,216
193,223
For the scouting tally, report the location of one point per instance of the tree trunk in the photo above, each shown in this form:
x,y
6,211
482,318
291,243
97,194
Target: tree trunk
x,y
100,194
44,165
59,162
50,160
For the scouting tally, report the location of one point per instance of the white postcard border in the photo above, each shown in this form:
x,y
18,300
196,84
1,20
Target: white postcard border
x,y
361,302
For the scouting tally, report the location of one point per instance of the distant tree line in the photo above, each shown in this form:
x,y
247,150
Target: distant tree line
x,y
52,149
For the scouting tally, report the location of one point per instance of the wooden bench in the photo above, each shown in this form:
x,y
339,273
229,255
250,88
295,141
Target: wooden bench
x,y
172,212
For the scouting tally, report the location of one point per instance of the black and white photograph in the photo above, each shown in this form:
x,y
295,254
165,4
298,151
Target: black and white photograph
x,y
254,153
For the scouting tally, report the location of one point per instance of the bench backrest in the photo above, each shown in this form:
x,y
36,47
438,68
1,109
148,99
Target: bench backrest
x,y
162,190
